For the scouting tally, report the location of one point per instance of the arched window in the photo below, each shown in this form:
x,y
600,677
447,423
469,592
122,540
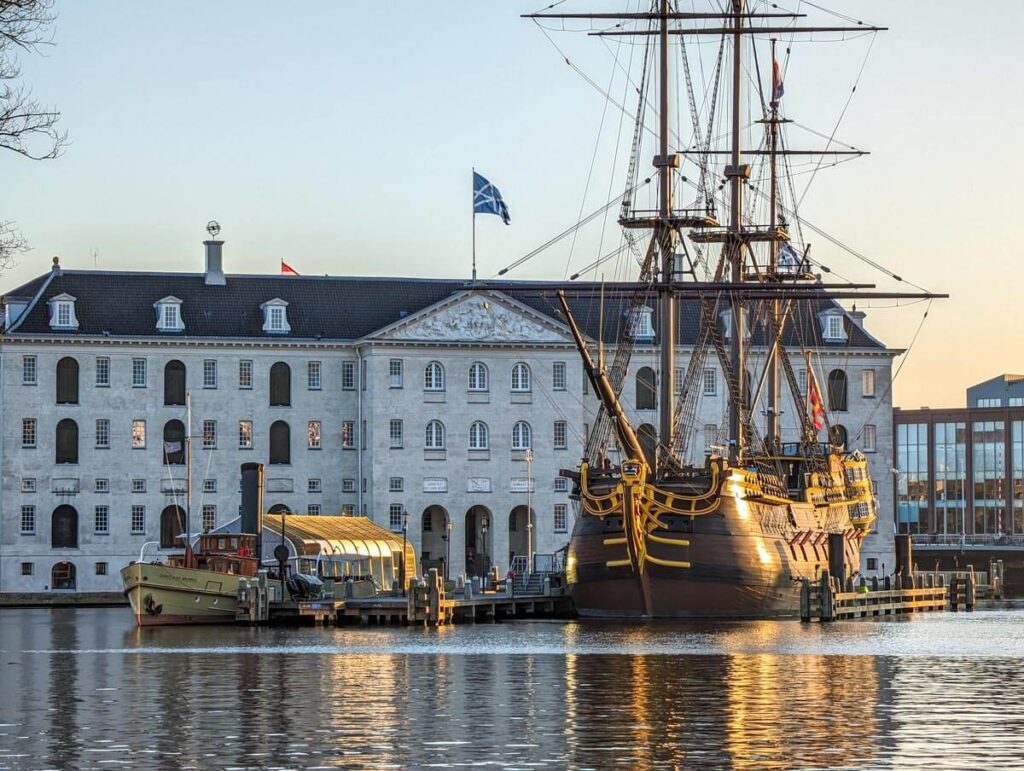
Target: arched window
x,y
839,436
837,390
279,508
433,377
435,435
174,443
172,524
522,436
62,575
64,528
67,441
645,398
477,376
280,385
67,381
648,441
174,383
520,377
478,436
280,443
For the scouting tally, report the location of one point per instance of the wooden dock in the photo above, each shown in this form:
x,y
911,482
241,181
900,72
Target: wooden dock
x,y
827,600
430,602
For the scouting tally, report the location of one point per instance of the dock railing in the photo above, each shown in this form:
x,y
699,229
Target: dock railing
x,y
828,600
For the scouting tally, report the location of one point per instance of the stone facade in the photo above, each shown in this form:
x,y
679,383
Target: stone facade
x,y
426,478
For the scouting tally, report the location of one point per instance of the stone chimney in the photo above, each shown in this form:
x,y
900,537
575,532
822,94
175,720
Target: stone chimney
x,y
858,317
214,263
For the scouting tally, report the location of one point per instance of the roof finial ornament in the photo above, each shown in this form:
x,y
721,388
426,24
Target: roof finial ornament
x,y
213,228
56,263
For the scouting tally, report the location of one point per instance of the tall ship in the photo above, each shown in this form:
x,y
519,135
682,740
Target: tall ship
x,y
658,535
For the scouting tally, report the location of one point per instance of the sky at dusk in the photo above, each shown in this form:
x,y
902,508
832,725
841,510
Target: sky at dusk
x,y
339,136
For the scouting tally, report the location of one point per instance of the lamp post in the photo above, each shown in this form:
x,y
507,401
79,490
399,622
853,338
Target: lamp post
x,y
405,530
487,560
529,512
448,546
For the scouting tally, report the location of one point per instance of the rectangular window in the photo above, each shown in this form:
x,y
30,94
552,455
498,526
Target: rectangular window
x,y
558,376
869,438
348,485
138,434
276,318
395,433
170,317
801,381
710,381
138,373
102,520
138,520
138,485
561,518
872,563
561,485
395,517
209,485
209,373
63,314
990,402
245,373
834,329
680,377
313,433
348,510
348,434
28,520
209,517
28,485
245,434
1016,401
101,568
867,380
560,435
209,434
348,376
313,509
26,568
28,432
102,433
362,434
102,371
29,373
313,375
395,373
396,484
316,486
102,485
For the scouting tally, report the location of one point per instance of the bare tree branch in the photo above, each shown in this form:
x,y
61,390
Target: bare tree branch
x,y
27,127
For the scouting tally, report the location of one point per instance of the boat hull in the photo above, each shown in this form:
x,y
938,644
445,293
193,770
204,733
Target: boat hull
x,y
162,595
745,561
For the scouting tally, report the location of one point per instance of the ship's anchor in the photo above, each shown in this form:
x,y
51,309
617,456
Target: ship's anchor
x,y
150,606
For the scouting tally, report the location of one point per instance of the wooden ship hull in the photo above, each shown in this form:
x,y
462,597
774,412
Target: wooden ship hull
x,y
740,555
162,595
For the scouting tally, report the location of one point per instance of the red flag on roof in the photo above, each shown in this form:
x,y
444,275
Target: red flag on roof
x,y
288,270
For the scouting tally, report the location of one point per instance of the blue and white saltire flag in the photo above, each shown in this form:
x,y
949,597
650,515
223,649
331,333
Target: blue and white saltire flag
x,y
487,199
789,260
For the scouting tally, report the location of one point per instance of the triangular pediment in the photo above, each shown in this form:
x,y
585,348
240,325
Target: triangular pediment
x,y
478,316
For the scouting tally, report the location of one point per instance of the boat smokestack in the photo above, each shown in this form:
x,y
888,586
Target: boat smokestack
x,y
252,503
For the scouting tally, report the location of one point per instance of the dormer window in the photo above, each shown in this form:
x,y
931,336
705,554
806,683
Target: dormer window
x,y
62,312
641,324
275,317
168,315
832,328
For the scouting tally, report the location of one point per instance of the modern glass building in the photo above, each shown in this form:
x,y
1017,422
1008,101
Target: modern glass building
x,y
959,486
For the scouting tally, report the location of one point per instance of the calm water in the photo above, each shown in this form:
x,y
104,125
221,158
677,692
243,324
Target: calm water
x,y
86,689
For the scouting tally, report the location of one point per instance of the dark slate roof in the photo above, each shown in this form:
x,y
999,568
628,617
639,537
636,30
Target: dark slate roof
x,y
120,303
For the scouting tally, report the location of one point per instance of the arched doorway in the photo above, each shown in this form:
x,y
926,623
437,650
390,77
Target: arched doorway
x,y
479,541
174,383
434,533
67,381
172,524
67,442
519,536
64,528
174,443
62,576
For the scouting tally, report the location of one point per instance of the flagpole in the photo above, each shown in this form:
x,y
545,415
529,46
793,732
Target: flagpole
x,y
472,198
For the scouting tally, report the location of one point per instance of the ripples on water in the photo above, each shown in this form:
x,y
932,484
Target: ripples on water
x,y
85,689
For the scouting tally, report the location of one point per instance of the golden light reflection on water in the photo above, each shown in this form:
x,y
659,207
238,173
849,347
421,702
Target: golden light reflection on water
x,y
88,694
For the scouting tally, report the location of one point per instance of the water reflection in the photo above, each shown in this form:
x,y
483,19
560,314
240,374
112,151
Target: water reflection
x,y
85,689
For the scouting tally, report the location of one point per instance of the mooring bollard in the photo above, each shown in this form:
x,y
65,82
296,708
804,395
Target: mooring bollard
x,y
805,600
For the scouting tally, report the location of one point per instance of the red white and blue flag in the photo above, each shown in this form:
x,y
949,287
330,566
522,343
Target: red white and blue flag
x,y
778,88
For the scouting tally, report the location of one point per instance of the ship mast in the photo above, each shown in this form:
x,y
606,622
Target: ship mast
x,y
736,174
666,236
772,433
